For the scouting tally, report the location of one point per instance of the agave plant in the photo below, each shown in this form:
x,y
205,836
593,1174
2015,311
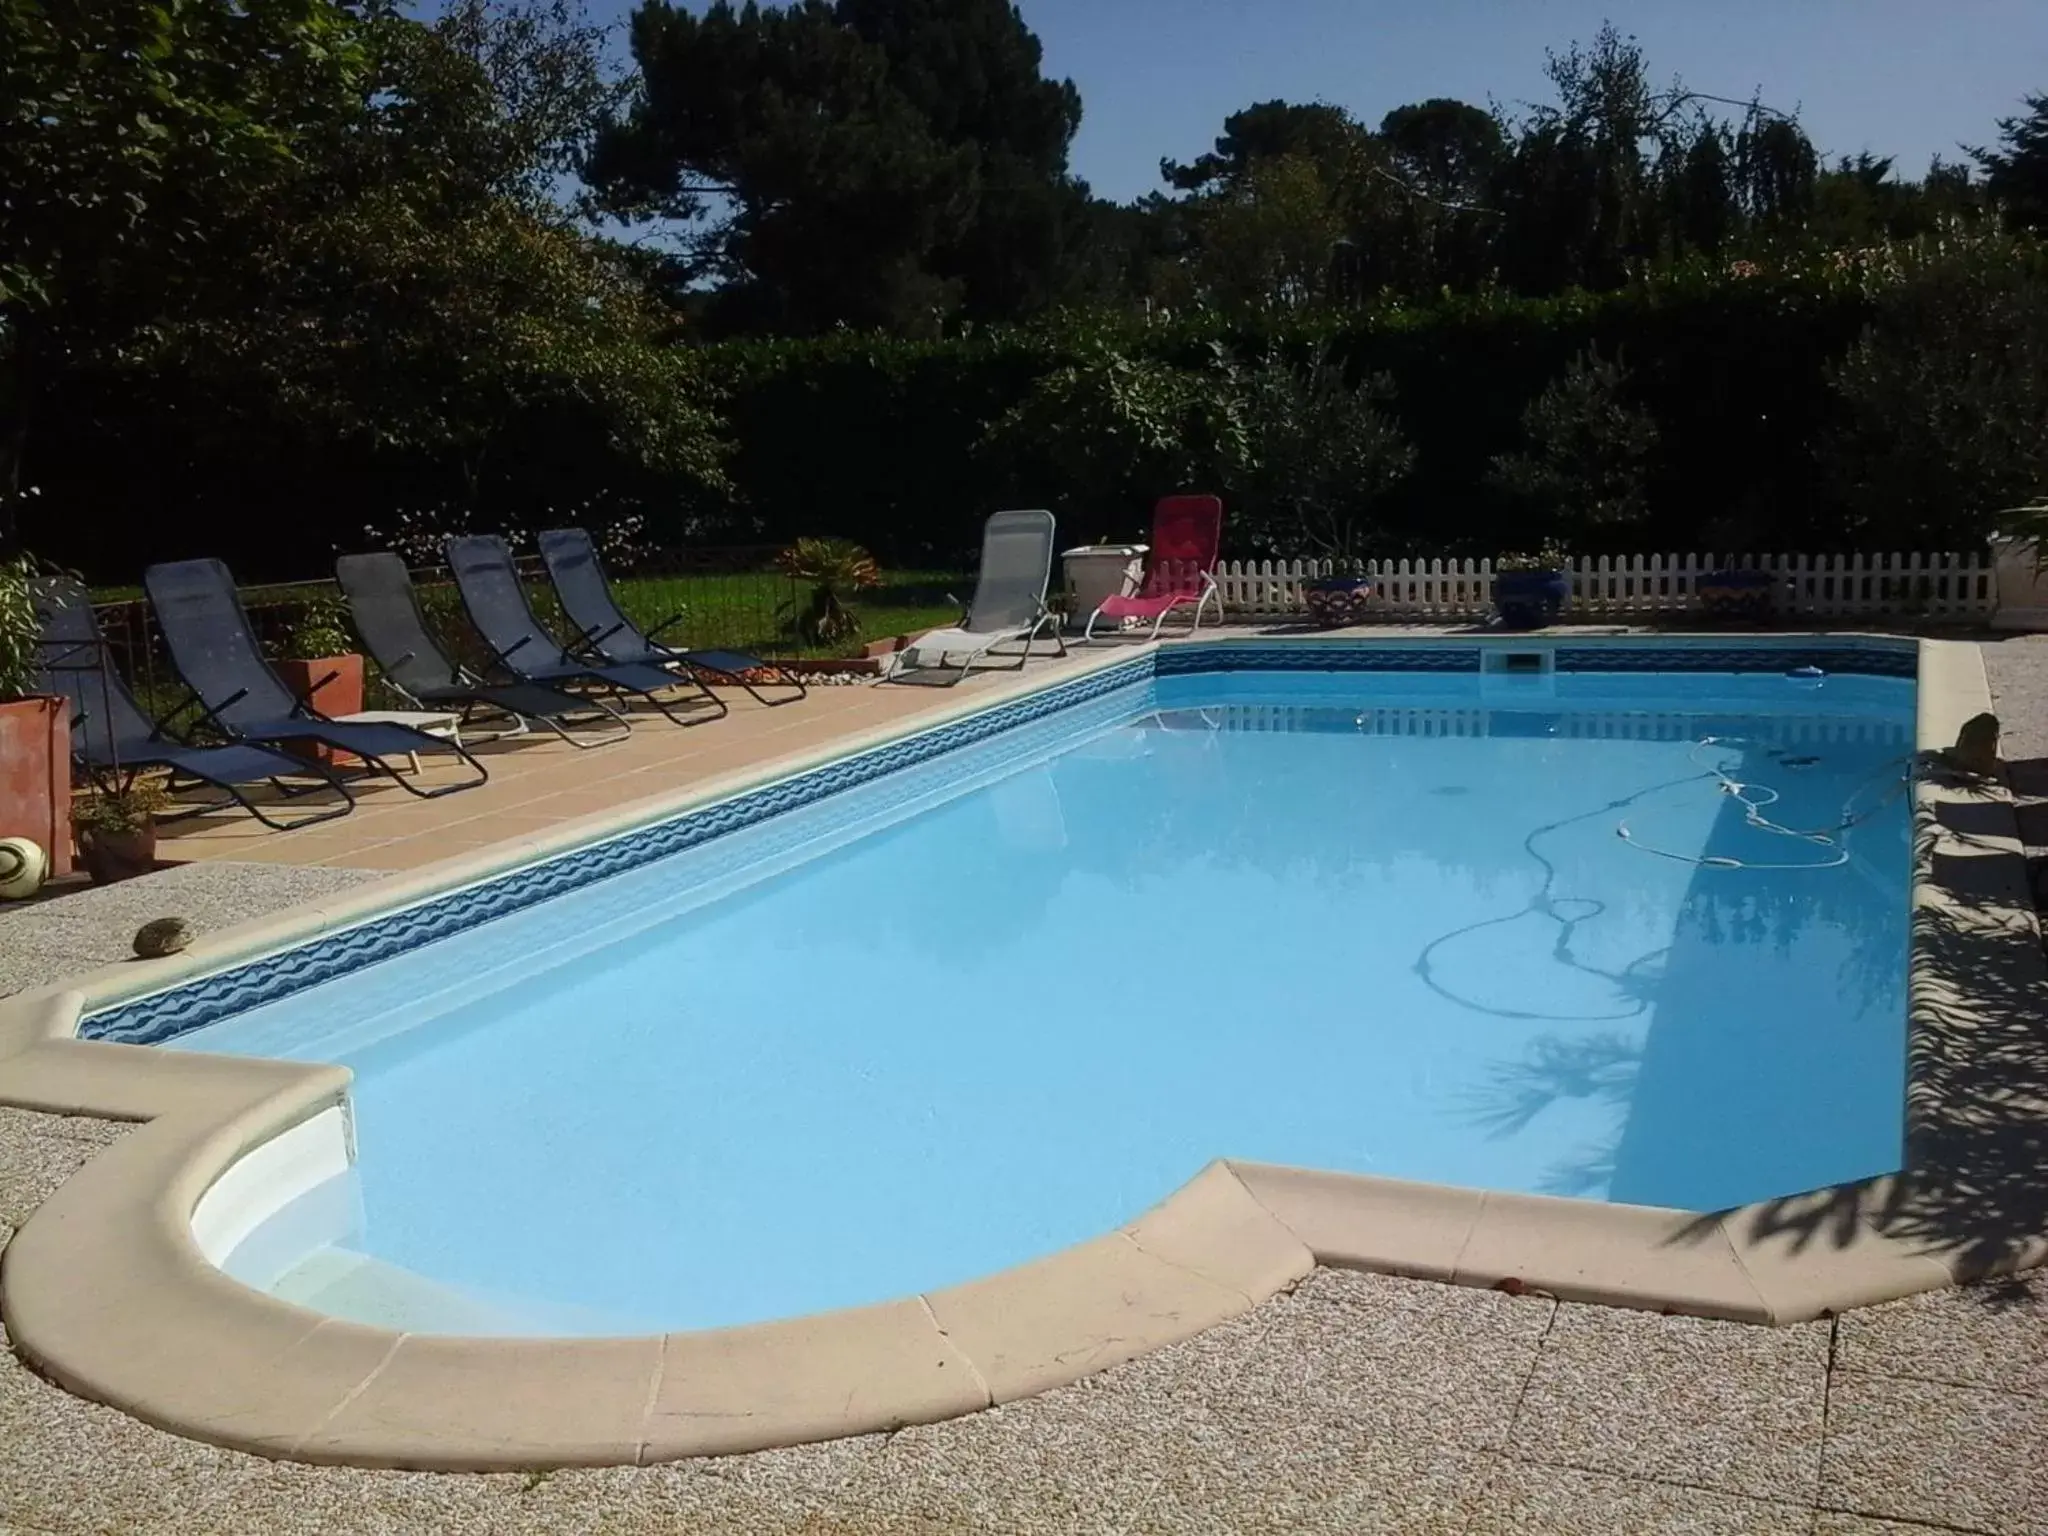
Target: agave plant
x,y
834,570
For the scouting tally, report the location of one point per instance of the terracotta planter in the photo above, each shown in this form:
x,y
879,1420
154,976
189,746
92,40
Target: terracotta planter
x,y
110,856
341,694
35,776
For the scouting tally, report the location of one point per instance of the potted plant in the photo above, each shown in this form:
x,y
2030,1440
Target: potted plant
x,y
1530,589
1322,453
35,730
834,570
1737,593
115,822
322,666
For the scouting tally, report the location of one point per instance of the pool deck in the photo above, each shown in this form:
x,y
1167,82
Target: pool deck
x,y
1350,1402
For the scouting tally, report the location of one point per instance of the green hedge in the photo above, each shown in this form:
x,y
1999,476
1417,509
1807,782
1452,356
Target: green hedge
x,y
875,438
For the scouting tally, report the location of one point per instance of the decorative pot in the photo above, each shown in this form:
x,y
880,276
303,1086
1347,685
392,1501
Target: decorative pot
x,y
1530,599
109,856
340,694
35,776
1334,601
1737,594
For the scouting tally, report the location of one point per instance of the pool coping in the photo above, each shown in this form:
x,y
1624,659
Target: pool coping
x,y
158,1331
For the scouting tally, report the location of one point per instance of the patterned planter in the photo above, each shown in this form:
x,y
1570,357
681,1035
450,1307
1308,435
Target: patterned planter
x,y
1335,601
1737,594
1530,599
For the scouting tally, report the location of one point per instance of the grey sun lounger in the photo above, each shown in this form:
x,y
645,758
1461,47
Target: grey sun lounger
x,y
387,616
111,733
1009,601
588,603
207,632
489,582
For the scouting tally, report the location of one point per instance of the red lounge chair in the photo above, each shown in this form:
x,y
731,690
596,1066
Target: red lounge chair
x,y
1185,533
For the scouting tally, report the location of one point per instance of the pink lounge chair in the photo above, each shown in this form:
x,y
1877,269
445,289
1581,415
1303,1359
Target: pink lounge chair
x,y
1185,533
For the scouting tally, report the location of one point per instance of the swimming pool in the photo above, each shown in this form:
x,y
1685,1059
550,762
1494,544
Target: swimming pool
x,y
1547,932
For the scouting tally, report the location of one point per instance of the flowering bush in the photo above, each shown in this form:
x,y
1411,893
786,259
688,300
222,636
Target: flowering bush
x,y
420,534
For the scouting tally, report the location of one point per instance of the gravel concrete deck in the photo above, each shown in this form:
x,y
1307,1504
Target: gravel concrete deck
x,y
1356,1403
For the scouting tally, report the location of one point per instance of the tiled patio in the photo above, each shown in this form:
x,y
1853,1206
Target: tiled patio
x,y
1354,1404
539,781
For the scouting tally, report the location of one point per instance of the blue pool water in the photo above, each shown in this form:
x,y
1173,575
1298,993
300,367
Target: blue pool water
x,y
1546,937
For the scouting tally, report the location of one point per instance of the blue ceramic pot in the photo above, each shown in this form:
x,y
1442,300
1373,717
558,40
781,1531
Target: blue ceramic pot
x,y
1530,599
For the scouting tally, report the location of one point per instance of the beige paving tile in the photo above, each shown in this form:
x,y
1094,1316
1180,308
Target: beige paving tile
x,y
1830,1522
814,1475
1253,1474
1728,1406
34,1159
1425,1363
1992,1334
1029,1465
1531,1500
293,1499
1962,1457
661,1501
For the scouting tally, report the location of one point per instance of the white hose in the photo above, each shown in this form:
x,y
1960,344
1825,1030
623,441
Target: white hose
x,y
1753,815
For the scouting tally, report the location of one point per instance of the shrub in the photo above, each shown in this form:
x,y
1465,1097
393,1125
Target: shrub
x,y
1105,436
1319,460
1584,466
1943,400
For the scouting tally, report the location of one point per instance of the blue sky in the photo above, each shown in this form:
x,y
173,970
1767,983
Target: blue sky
x,y
1897,77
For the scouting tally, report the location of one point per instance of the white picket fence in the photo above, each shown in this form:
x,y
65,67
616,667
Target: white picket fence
x,y
1959,587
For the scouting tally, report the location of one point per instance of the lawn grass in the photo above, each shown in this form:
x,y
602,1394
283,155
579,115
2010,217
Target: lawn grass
x,y
746,612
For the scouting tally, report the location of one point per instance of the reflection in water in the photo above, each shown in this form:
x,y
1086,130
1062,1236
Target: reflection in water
x,y
1599,1067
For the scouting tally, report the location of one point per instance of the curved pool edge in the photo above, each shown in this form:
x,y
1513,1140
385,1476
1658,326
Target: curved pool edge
x,y
162,1334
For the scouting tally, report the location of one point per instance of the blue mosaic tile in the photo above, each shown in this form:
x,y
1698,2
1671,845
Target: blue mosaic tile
x,y
1317,656
1869,661
165,1015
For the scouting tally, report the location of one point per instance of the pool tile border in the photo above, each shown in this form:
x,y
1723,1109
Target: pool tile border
x,y
104,1288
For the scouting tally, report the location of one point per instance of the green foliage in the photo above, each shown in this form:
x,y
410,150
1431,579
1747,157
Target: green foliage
x,y
867,163
132,136
320,630
836,571
397,311
124,128
2016,173
1321,456
118,802
1943,400
425,296
1107,434
1732,368
1584,467
18,628
1550,555
2028,522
